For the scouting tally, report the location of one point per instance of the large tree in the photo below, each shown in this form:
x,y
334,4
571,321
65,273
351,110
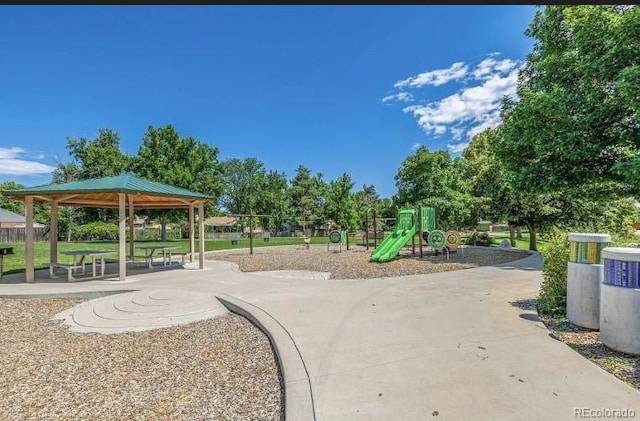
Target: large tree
x,y
187,162
243,181
99,157
249,187
275,200
577,122
434,179
93,158
340,206
68,216
16,206
365,199
307,195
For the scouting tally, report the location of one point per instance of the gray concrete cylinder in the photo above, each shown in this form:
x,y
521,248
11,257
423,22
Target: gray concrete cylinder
x,y
620,300
584,276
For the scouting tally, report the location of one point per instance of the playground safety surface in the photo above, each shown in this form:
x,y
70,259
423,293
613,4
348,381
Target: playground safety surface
x,y
354,263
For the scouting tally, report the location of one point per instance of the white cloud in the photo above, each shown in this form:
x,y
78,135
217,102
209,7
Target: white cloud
x,y
457,133
436,77
489,66
457,147
473,108
10,163
416,146
402,96
476,106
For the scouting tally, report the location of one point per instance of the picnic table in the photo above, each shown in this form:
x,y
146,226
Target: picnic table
x,y
80,264
166,253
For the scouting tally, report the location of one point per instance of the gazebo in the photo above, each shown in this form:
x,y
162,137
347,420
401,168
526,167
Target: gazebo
x,y
123,192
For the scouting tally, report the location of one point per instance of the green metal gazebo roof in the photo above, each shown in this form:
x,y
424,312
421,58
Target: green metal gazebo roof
x,y
103,192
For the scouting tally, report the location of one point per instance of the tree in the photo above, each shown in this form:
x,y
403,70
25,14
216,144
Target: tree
x,y
67,216
340,203
250,188
12,205
577,120
243,183
96,158
434,179
307,195
366,199
100,157
182,162
274,199
499,197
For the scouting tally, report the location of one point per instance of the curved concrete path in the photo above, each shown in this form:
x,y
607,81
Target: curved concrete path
x,y
460,345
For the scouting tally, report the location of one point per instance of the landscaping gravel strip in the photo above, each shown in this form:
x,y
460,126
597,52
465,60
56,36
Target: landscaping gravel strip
x,y
223,368
354,263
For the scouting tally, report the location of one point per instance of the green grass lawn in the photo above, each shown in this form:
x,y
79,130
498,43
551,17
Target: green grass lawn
x,y
15,263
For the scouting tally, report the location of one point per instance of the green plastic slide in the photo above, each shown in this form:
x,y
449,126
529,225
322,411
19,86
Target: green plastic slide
x,y
405,229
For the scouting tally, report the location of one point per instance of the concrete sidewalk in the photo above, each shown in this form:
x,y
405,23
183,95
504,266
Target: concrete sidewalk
x,y
459,345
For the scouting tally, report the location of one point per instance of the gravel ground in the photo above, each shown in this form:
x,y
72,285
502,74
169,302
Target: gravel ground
x,y
587,342
354,264
222,369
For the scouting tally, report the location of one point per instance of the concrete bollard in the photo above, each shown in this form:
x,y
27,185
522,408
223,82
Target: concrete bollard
x,y
584,276
620,300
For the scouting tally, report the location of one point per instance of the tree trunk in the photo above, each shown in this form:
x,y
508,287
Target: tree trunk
x,y
163,227
512,235
519,233
532,237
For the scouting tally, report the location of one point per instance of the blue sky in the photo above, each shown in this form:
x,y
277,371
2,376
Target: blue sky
x,y
336,88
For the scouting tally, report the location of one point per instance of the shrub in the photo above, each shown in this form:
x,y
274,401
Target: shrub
x,y
552,300
480,239
95,231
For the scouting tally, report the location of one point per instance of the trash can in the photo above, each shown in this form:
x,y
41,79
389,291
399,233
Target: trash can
x,y
584,276
620,300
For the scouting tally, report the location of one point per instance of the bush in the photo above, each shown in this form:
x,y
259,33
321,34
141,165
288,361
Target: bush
x,y
95,231
480,239
552,300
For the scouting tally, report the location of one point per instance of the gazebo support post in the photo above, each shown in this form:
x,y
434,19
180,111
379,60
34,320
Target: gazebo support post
x,y
132,232
201,234
122,225
192,232
53,235
29,274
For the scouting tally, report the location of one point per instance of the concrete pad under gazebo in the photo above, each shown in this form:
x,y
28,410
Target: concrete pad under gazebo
x,y
123,192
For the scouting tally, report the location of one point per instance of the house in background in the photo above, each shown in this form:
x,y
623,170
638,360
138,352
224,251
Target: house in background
x,y
10,219
221,227
12,228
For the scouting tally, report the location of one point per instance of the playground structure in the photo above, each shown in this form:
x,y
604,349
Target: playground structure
x,y
420,221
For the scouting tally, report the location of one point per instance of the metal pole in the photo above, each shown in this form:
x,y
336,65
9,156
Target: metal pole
x,y
375,230
366,227
420,228
413,245
250,234
347,235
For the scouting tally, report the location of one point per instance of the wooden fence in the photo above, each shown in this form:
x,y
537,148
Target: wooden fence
x,y
16,235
